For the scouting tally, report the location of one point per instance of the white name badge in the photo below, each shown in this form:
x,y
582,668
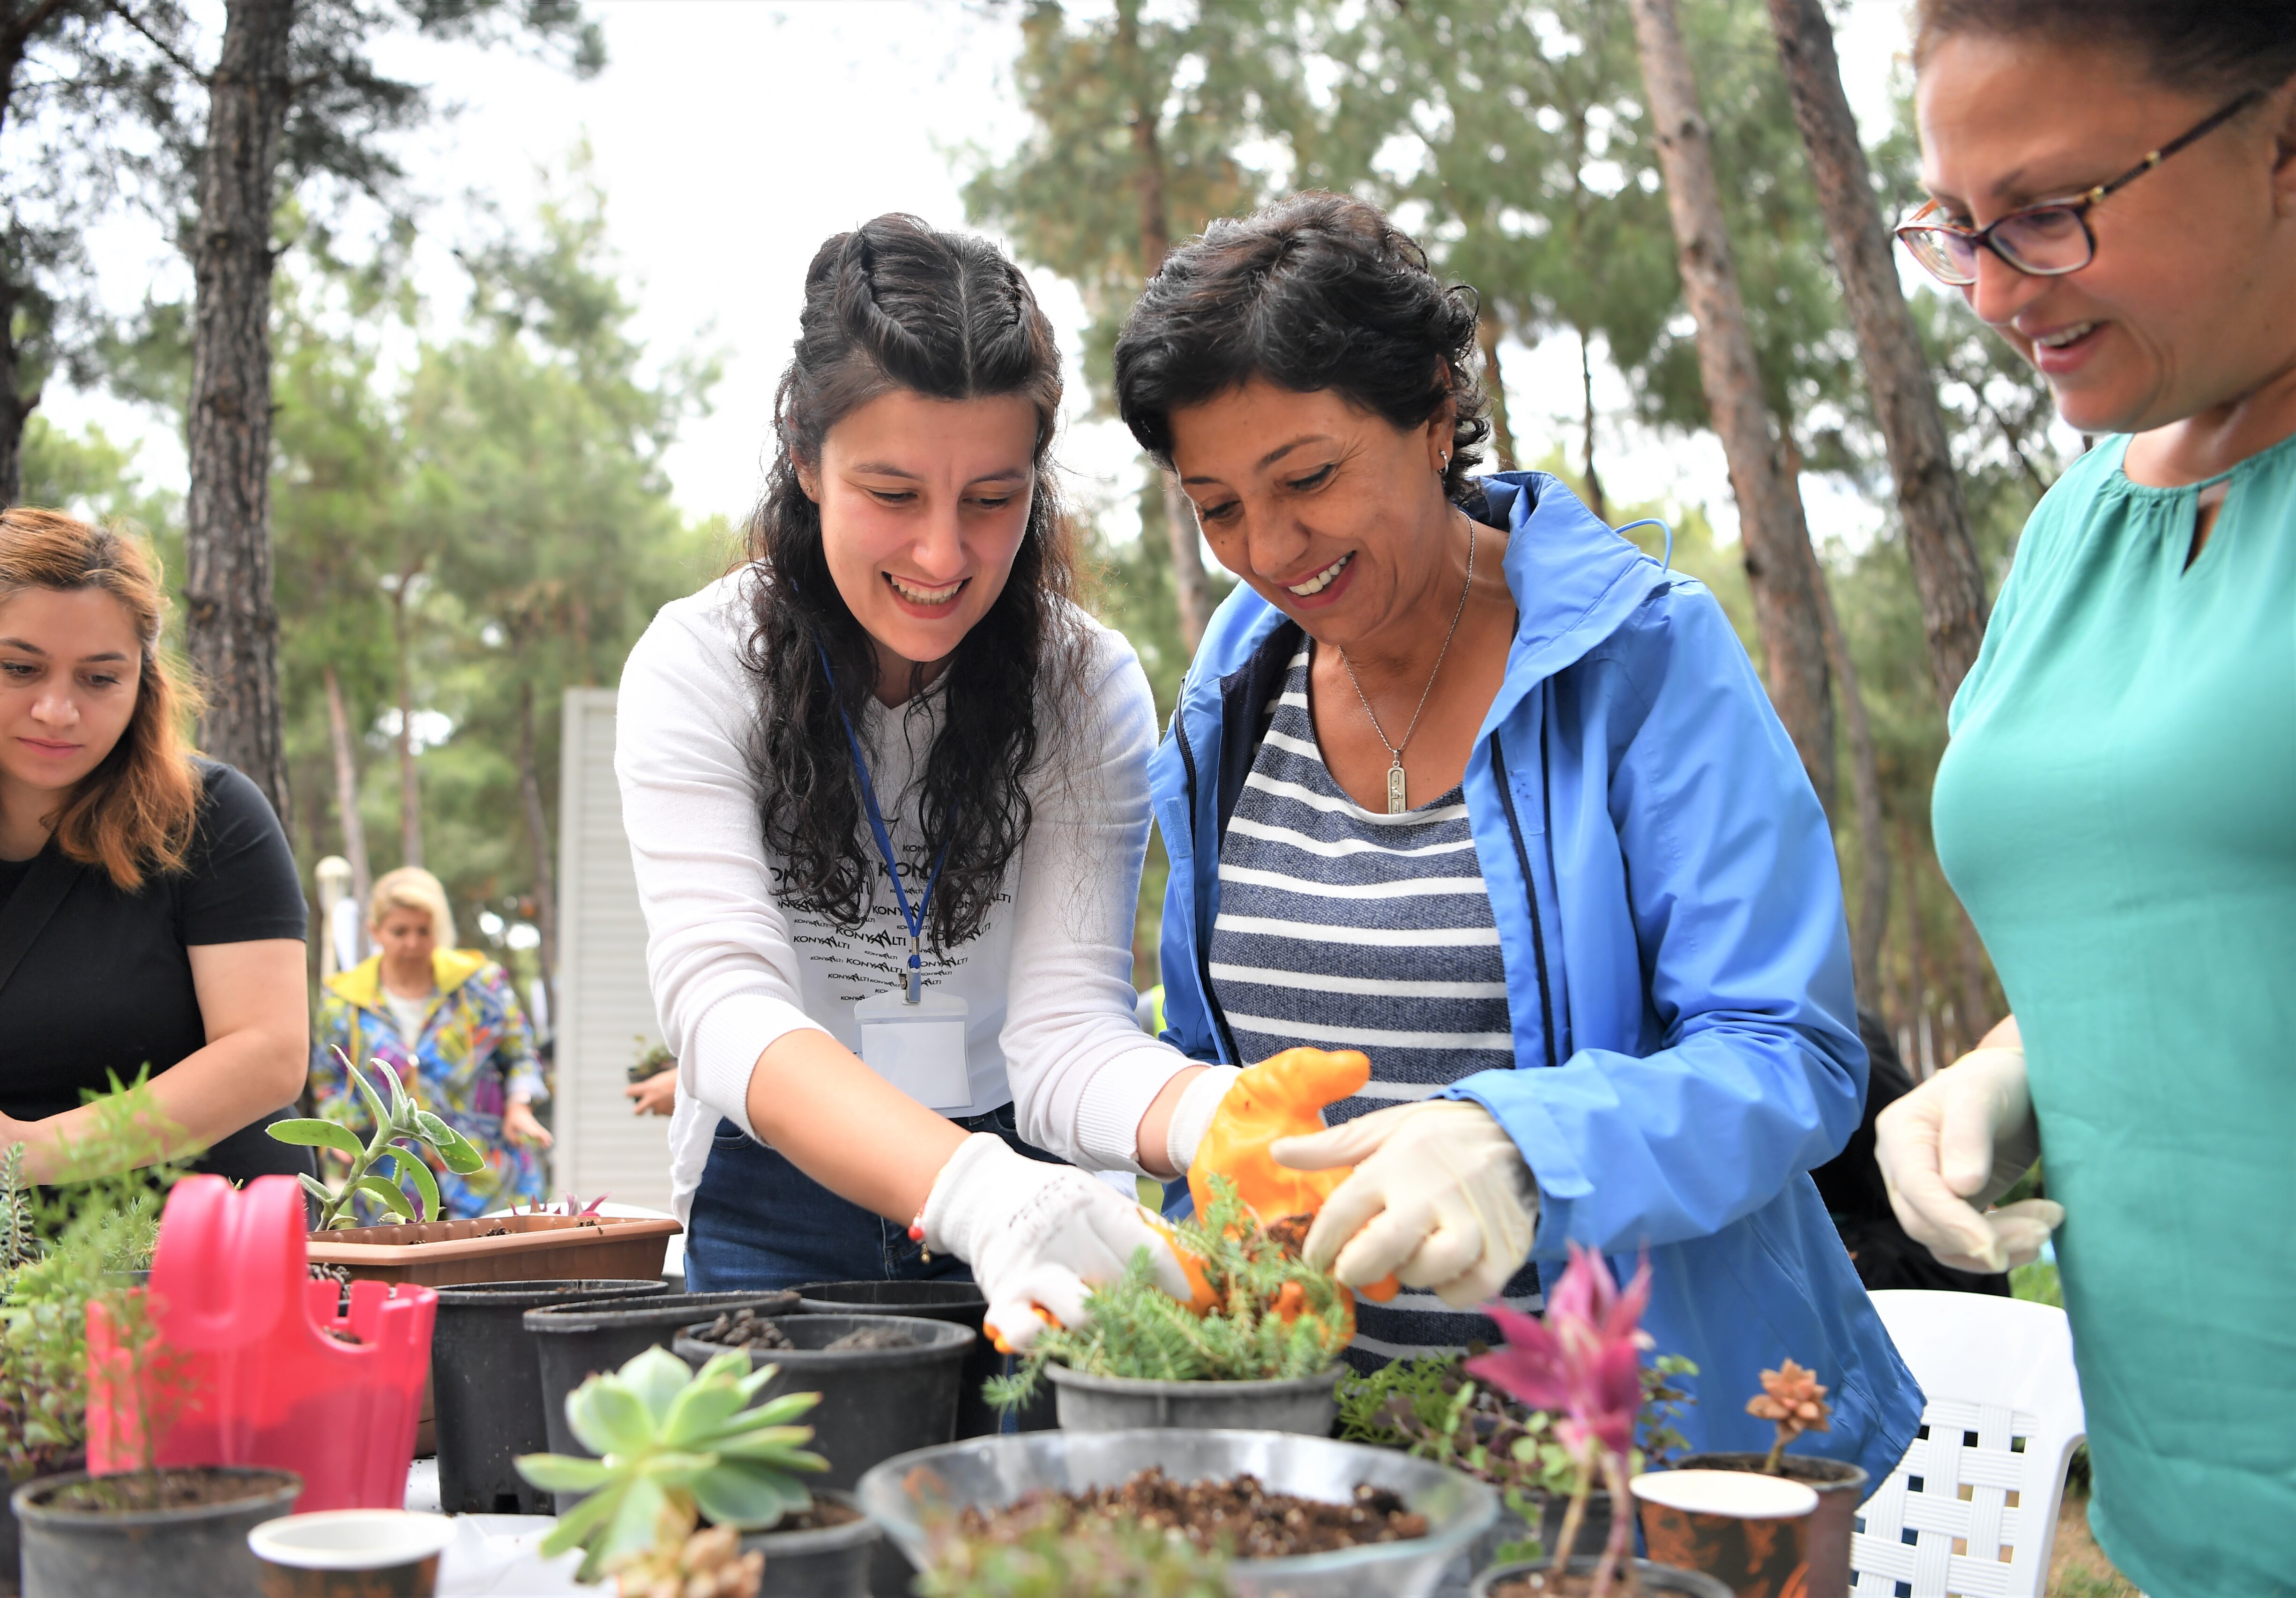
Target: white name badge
x,y
919,1048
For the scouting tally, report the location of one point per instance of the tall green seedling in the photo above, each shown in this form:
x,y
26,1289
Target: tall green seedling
x,y
397,1123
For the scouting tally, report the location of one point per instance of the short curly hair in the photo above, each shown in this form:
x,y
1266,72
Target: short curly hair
x,y
1314,291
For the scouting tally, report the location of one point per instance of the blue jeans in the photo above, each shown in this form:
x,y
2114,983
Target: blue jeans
x,y
759,1223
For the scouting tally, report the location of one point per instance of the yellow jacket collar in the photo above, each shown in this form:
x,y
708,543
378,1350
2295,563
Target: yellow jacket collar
x,y
362,984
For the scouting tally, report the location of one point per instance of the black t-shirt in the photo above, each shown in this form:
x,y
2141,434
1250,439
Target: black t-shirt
x,y
107,986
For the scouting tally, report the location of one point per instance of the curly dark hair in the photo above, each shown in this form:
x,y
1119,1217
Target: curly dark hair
x,y
2206,46
1313,291
897,305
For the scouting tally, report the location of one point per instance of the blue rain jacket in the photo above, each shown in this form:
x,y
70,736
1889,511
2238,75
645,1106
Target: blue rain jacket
x,y
1670,912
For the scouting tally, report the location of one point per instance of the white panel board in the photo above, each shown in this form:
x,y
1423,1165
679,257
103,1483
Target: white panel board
x,y
607,1012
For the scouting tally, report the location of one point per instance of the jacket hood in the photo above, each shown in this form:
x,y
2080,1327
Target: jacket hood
x,y
1574,581
362,984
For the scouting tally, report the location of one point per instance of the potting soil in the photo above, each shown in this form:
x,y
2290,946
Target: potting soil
x,y
1577,1584
746,1329
1239,1515
824,1513
137,1491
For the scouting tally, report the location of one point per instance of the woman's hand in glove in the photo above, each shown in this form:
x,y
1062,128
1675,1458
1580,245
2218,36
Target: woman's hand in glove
x,y
1951,1147
1037,1235
1440,1196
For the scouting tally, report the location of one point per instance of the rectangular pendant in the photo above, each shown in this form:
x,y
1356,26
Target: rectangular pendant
x,y
1395,800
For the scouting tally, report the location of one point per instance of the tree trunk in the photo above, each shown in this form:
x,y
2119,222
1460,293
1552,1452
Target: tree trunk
x,y
1975,997
339,731
410,787
1191,589
1595,501
1773,534
1917,976
231,625
15,409
538,832
1938,538
1865,790
1487,334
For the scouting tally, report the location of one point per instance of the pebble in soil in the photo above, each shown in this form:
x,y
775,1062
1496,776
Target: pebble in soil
x,y
1577,1584
1240,1515
747,1328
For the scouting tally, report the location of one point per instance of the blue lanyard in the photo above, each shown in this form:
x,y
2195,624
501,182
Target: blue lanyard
x,y
914,918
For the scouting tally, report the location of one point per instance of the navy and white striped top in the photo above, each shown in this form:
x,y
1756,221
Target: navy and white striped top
x,y
1343,928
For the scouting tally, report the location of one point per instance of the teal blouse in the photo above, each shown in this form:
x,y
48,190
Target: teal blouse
x,y
2117,811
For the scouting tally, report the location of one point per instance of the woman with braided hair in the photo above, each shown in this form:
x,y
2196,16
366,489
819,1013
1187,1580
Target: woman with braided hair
x,y
885,785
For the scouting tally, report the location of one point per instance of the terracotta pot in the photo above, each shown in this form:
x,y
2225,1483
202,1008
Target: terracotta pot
x,y
531,1248
351,1554
1841,1488
1749,1531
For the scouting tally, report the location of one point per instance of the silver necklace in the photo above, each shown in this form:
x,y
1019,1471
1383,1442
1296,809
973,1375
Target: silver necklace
x,y
1397,803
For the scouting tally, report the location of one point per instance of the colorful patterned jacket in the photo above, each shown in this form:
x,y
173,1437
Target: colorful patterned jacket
x,y
475,1052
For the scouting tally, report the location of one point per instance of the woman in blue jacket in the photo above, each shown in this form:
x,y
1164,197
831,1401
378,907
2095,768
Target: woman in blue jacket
x,y
1463,779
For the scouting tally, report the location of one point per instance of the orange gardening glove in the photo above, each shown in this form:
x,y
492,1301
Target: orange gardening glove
x,y
1283,1096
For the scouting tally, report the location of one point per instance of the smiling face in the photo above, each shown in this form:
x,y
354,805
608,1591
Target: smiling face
x,y
923,505
1332,514
68,665
2190,303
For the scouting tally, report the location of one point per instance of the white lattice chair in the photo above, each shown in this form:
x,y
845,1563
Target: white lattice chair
x,y
1973,1507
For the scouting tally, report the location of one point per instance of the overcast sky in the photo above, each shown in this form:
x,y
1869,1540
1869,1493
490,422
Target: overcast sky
x,y
732,137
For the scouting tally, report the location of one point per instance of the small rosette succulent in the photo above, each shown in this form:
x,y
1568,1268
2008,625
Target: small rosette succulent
x,y
675,1445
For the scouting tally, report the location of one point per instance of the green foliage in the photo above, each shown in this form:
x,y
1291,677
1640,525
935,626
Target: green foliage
x,y
1065,1557
2038,1283
1430,1408
397,1123
1138,1330
492,529
674,1444
70,1246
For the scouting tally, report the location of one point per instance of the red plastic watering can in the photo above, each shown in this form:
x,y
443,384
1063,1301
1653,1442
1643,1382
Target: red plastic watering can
x,y
247,1364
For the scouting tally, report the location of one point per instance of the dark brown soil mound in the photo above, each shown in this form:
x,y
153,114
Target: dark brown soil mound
x,y
1238,1515
745,1328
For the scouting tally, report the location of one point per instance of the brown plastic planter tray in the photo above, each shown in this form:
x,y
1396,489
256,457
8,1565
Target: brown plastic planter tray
x,y
532,1248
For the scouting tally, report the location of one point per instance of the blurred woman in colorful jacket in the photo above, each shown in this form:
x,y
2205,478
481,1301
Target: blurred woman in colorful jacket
x,y
447,1021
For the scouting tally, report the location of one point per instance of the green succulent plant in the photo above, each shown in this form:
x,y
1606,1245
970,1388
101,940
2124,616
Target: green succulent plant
x,y
674,1444
400,1118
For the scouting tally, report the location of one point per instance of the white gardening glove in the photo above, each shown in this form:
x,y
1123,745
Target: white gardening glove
x,y
1951,1147
1037,1234
1440,1196
1192,1117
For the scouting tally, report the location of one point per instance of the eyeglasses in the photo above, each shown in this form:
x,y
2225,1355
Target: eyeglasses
x,y
2041,241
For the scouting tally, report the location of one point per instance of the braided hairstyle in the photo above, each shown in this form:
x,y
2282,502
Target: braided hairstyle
x,y
896,305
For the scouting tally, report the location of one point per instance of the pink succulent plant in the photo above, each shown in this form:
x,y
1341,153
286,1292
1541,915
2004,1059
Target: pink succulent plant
x,y
1583,1364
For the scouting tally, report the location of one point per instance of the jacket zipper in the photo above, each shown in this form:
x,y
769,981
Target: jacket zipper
x,y
1222,1039
1530,892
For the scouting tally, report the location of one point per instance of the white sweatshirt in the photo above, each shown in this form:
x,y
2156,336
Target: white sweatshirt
x,y
1048,983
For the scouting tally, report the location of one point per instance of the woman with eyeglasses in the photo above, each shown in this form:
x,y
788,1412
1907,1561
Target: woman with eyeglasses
x,y
2118,807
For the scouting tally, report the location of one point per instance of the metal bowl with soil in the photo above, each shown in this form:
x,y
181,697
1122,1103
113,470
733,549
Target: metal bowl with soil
x,y
1375,1522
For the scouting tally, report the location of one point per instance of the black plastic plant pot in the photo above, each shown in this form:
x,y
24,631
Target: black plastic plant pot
x,y
1593,1532
486,1393
12,1548
875,1402
832,1562
575,1342
1650,1578
960,1303
199,1551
